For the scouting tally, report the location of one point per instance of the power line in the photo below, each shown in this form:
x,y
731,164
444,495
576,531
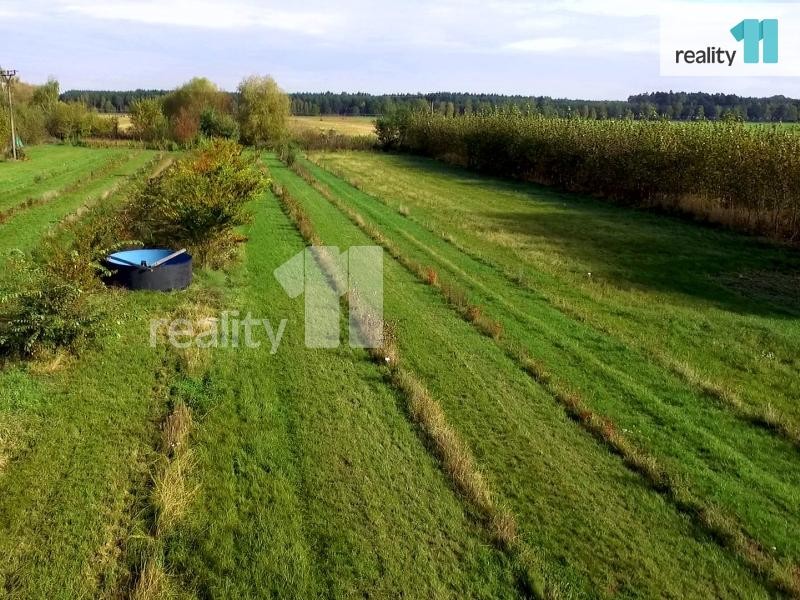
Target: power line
x,y
8,75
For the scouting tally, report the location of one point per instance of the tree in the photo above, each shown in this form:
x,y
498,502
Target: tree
x,y
69,121
194,97
46,96
148,121
185,126
263,111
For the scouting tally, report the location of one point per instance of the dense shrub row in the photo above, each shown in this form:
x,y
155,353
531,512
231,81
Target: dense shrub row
x,y
257,114
39,115
197,202
725,172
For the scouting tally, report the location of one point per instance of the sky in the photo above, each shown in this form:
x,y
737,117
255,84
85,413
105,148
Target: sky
x,y
592,49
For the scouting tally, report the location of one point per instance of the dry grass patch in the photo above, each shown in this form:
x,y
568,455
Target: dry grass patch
x,y
203,318
172,494
431,276
153,583
175,430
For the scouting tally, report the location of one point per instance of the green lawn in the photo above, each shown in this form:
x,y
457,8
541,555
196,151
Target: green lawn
x,y
592,520
48,170
716,308
306,475
94,175
733,464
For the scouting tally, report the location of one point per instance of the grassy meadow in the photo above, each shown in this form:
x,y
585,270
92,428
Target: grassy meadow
x,y
618,387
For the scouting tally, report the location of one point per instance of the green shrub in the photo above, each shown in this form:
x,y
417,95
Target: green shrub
x,y
198,201
214,123
288,154
53,304
148,121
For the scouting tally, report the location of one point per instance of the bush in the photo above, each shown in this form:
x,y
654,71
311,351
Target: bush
x,y
52,305
288,154
148,121
198,201
218,124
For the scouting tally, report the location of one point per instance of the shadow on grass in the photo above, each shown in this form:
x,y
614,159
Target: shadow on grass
x,y
635,248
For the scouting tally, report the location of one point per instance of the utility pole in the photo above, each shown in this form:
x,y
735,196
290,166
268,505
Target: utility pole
x,y
7,76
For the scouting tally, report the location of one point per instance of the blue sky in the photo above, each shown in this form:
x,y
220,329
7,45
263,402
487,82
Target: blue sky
x,y
564,48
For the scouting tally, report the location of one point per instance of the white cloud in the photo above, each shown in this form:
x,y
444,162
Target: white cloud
x,y
545,44
13,13
579,45
206,14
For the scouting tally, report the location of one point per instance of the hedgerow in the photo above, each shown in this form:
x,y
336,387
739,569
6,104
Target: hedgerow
x,y
198,201
729,173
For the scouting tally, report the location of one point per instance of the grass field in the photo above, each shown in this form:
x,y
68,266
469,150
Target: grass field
x,y
634,411
57,181
326,123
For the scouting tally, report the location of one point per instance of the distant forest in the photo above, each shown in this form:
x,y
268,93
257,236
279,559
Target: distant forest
x,y
671,105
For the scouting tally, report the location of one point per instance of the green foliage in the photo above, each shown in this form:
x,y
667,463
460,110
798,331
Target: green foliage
x,y
263,112
745,177
198,201
194,97
148,120
74,121
52,305
214,123
288,154
46,96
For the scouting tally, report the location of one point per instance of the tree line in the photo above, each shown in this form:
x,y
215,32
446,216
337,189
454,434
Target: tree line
x,y
682,106
256,114
679,106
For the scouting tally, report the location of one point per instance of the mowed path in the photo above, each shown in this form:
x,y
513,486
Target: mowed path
x,y
591,519
717,308
310,481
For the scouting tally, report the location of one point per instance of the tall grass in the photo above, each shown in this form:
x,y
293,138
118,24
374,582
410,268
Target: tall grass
x,y
747,178
310,139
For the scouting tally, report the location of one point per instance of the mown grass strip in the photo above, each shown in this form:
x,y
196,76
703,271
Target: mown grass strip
x,y
766,417
724,528
741,469
26,229
698,278
70,188
50,169
455,456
